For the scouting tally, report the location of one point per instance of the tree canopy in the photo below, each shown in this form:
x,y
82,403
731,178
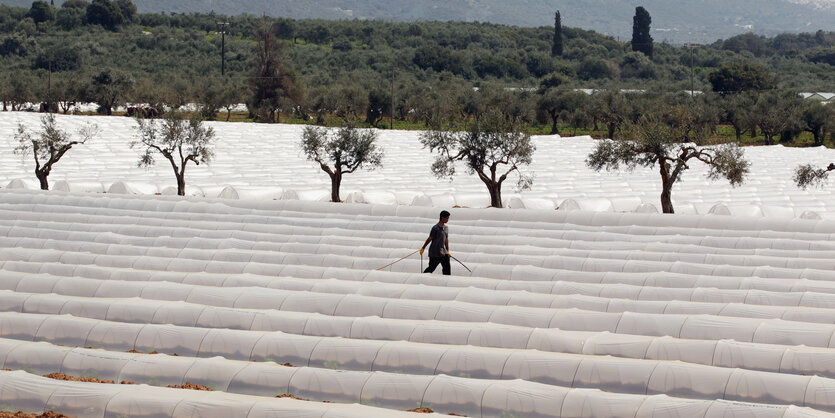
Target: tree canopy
x,y
342,152
178,140
653,141
493,147
49,145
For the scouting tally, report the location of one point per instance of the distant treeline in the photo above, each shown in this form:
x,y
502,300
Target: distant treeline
x,y
104,51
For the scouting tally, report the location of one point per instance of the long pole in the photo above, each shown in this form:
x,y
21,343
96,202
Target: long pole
x,y
692,73
49,87
391,115
691,69
223,26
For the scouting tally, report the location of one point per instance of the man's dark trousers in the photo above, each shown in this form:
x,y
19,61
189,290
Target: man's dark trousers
x,y
443,261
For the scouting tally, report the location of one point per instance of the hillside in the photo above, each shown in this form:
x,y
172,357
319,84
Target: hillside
x,y
689,21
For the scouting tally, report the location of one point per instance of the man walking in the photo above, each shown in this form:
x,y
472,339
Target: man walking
x,y
439,250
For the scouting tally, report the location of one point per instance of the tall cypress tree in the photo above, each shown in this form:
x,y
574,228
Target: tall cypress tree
x,y
556,46
641,40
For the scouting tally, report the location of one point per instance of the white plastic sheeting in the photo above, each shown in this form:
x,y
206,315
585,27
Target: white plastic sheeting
x,y
21,391
661,300
629,305
559,169
618,375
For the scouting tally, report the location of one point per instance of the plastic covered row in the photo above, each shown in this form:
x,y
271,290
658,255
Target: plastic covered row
x,y
413,357
167,203
412,319
248,261
655,259
406,391
25,392
336,297
607,284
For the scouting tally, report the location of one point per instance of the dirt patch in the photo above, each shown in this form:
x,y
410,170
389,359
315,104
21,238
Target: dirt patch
x,y
19,414
192,386
62,376
287,365
140,352
287,395
421,410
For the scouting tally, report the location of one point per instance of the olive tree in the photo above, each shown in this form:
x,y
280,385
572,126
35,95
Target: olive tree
x,y
492,147
653,142
776,111
49,145
178,140
611,107
109,89
808,175
341,152
814,117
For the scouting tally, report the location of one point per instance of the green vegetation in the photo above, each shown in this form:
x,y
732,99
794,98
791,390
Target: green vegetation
x,y
409,75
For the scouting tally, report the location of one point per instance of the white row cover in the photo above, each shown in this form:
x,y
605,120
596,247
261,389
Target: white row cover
x,y
405,390
415,320
649,286
557,294
426,359
260,262
25,392
559,167
656,259
721,225
560,235
29,393
363,352
540,234
415,198
375,298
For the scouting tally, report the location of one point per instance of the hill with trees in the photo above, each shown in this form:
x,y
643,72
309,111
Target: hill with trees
x,y
691,21
418,74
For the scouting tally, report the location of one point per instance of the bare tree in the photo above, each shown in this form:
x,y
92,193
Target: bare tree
x,y
652,142
341,152
178,140
493,147
808,175
49,145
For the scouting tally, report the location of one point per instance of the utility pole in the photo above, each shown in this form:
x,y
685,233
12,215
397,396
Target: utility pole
x,y
391,115
223,26
691,46
49,86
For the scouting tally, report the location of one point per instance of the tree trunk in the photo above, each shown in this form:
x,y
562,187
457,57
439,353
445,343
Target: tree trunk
x,y
554,129
42,177
611,128
816,133
667,199
336,181
666,190
738,132
495,190
181,184
228,114
769,140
